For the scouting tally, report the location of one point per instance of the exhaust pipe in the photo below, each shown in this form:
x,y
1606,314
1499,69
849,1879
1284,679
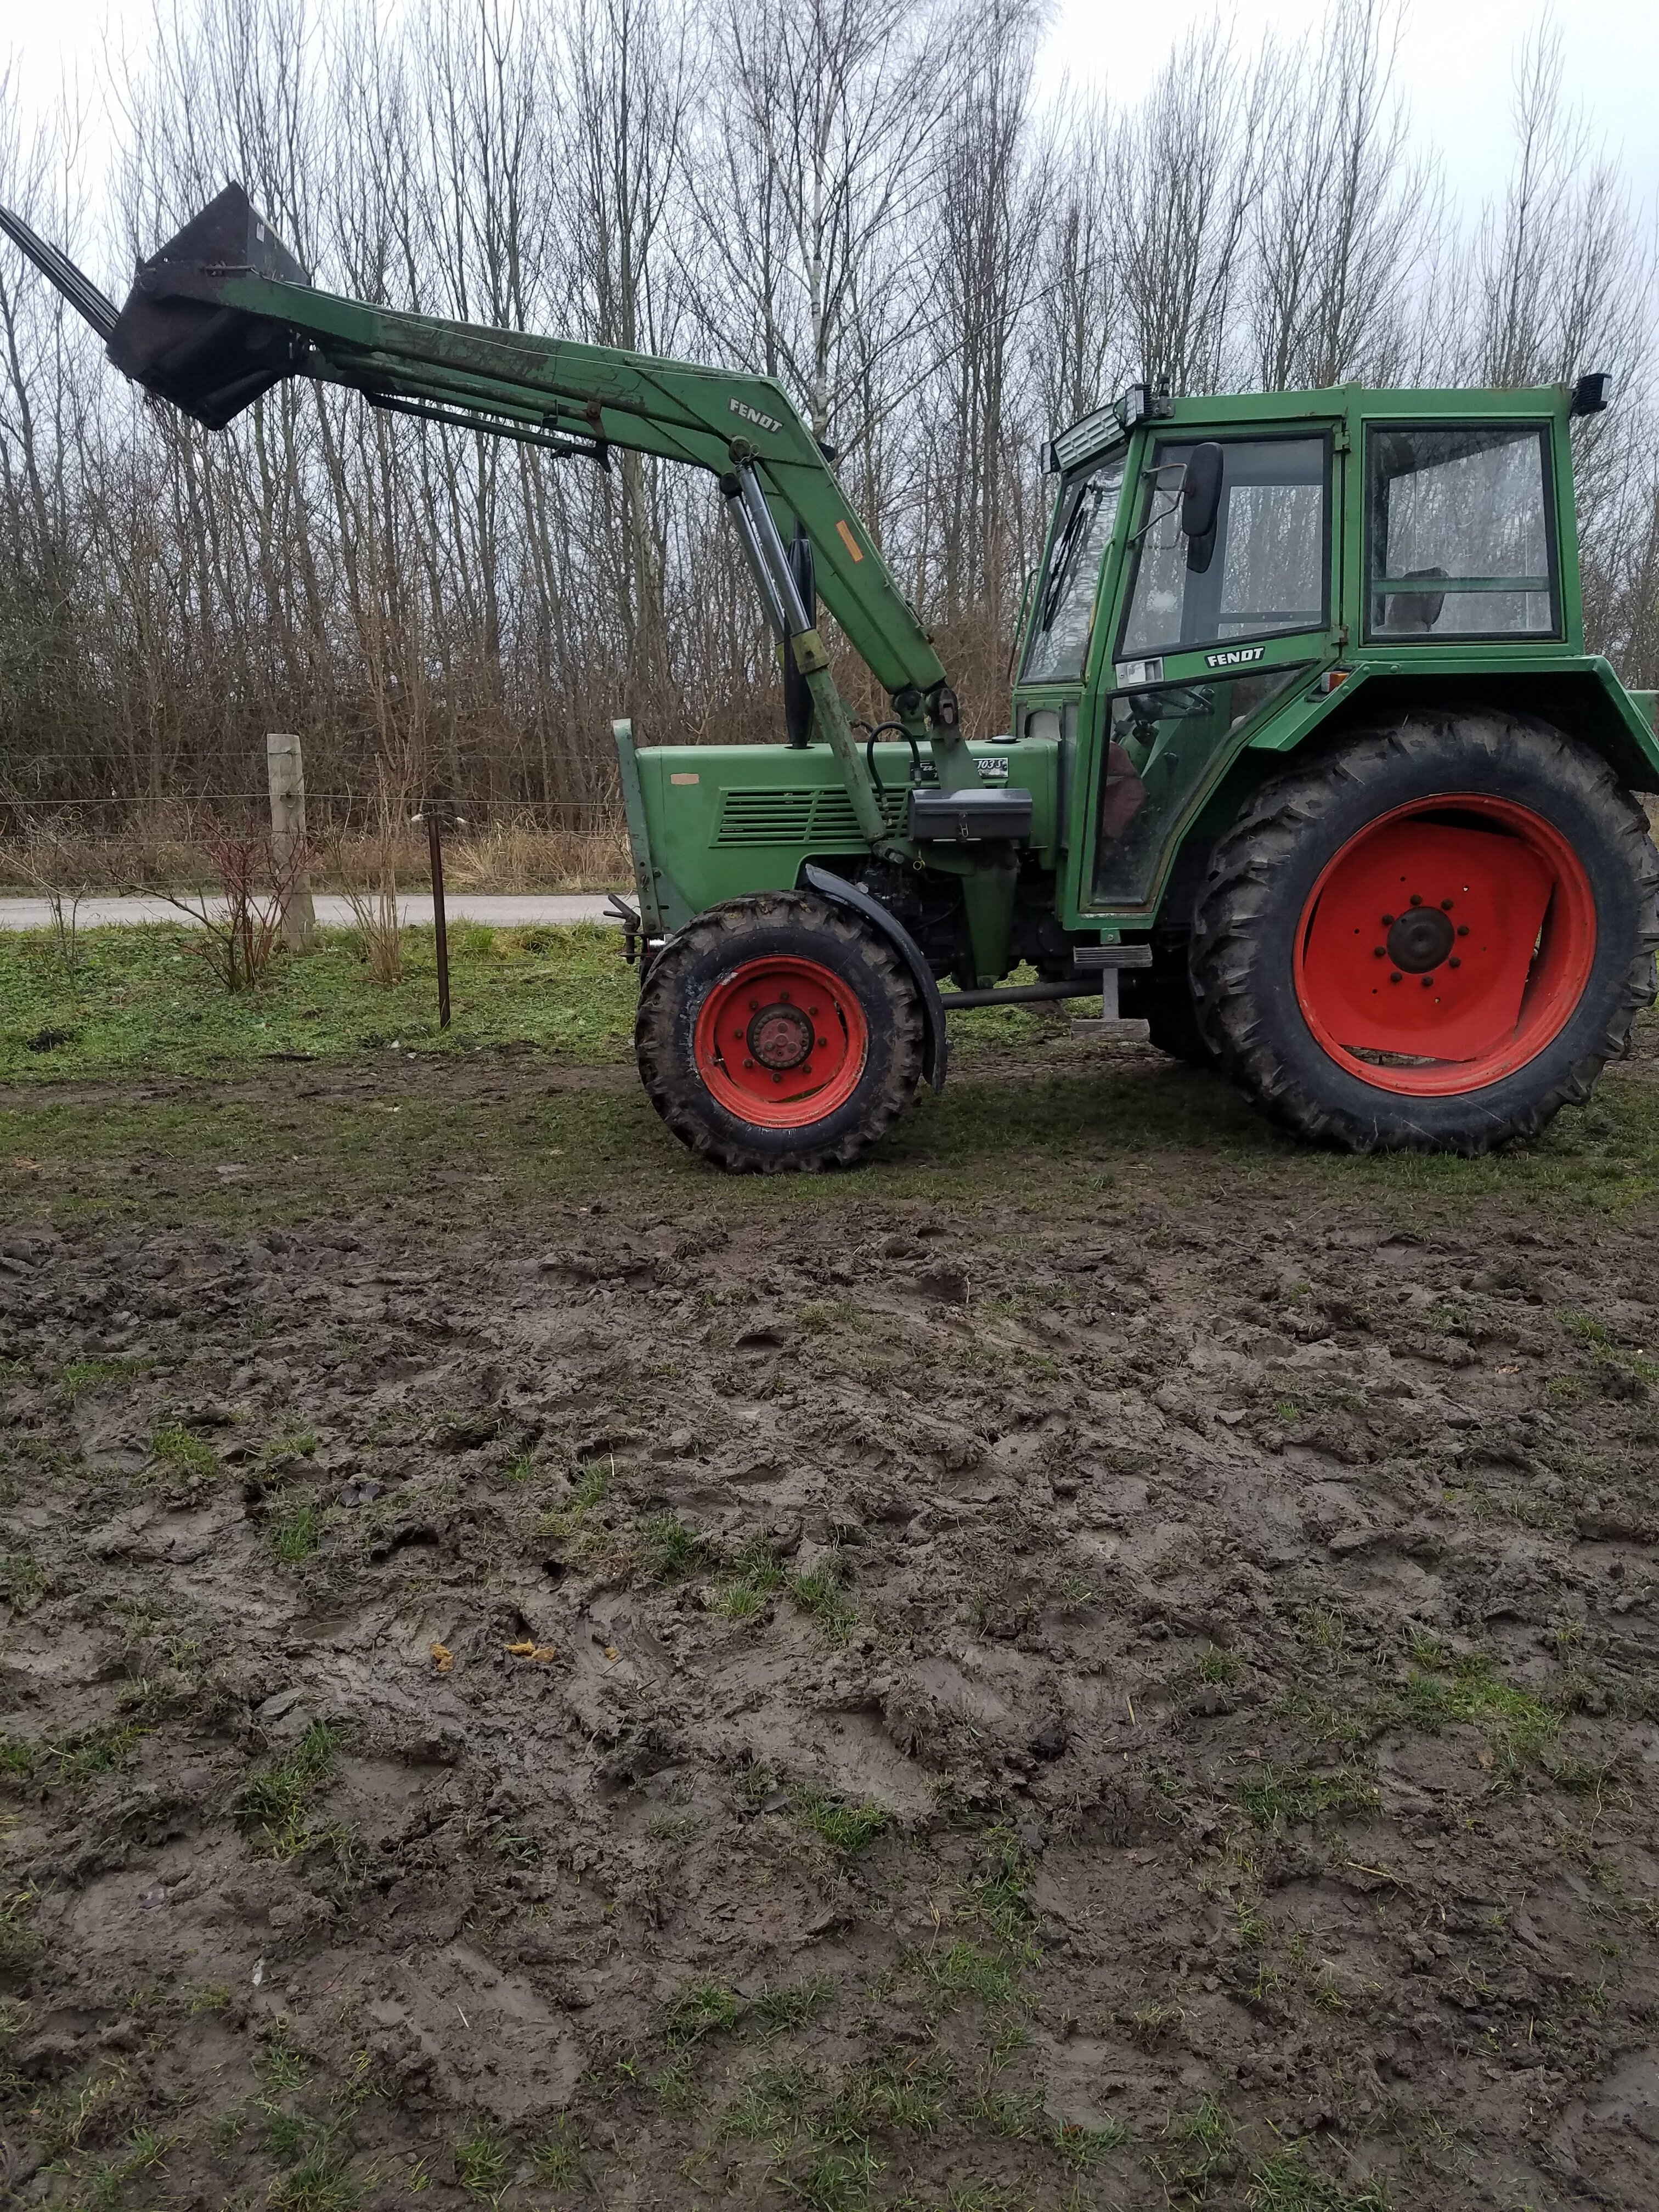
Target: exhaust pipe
x,y
176,335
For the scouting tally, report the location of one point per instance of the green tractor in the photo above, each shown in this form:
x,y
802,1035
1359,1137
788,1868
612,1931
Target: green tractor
x,y
1308,772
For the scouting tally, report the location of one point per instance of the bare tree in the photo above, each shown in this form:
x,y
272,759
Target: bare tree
x,y
862,197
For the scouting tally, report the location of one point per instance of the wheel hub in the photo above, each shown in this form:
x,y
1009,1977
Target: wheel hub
x,y
781,1041
1420,939
780,1037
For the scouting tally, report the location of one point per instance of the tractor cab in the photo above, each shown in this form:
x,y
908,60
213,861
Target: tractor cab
x,y
1216,570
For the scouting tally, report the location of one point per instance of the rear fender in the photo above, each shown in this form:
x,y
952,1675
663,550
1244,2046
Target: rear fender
x,y
1586,700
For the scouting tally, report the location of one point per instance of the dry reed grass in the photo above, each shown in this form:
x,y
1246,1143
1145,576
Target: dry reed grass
x,y
167,849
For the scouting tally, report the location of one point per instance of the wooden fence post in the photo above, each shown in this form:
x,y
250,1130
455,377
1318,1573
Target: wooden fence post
x,y
285,773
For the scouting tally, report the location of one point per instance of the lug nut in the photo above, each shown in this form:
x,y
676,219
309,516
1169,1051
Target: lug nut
x,y
754,1005
1417,898
1379,952
749,1063
1445,906
1454,961
1388,921
1428,982
1462,929
1396,977
824,1044
812,1013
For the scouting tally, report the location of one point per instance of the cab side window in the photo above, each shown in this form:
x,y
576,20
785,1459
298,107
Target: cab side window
x,y
1459,542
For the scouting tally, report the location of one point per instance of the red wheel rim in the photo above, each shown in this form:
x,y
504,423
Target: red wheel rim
x,y
781,1043
1445,945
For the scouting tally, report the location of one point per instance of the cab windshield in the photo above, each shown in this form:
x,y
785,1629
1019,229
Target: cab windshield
x,y
1064,615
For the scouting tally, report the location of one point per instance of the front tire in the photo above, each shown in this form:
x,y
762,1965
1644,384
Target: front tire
x,y
778,1033
1431,939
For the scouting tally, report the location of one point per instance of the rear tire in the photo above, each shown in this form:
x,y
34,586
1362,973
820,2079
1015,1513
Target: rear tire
x,y
778,1033
1353,1027
1162,996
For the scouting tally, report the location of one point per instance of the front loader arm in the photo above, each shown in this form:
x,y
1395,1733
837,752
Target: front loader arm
x,y
588,397
224,312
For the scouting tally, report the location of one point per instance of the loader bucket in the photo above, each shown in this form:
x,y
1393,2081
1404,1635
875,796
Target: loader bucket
x,y
177,339
175,335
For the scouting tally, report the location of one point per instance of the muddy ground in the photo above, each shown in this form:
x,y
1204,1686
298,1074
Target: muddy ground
x,y
1104,1660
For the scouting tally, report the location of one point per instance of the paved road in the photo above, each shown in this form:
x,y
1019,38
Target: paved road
x,y
516,911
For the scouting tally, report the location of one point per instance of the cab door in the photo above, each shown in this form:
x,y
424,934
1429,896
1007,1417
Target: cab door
x,y
1210,634
1050,703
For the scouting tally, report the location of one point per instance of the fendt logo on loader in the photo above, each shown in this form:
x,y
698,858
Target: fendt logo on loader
x,y
753,415
1238,658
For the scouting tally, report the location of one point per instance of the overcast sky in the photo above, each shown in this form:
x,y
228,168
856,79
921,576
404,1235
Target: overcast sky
x,y
1456,68
1456,63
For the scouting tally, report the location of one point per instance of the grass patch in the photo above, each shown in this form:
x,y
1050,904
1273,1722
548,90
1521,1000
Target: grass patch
x,y
18,1941
77,1376
999,1898
1284,2182
179,1451
320,2183
484,2163
777,2011
758,1577
97,1752
296,1534
963,1970
272,1803
847,1829
144,1000
142,2153
819,1594
1203,2143
769,2104
672,1550
830,2177
22,1576
1517,1725
557,2159
1274,1796
1083,2148
704,2010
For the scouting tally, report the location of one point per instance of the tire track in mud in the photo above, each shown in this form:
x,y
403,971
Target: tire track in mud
x,y
639,1707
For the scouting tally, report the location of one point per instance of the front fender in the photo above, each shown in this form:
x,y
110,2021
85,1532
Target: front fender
x,y
935,1044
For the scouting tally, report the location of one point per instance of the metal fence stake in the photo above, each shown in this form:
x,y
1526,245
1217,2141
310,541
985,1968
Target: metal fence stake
x,y
440,928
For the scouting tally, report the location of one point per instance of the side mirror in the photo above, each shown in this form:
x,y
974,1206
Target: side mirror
x,y
1201,503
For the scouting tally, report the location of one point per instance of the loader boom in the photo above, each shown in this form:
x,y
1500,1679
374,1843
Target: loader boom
x,y
223,312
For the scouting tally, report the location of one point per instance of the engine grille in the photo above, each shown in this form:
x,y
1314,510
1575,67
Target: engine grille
x,y
821,818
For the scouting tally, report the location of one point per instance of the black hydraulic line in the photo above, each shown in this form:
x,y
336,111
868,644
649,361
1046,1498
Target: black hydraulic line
x,y
880,730
1022,995
526,434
